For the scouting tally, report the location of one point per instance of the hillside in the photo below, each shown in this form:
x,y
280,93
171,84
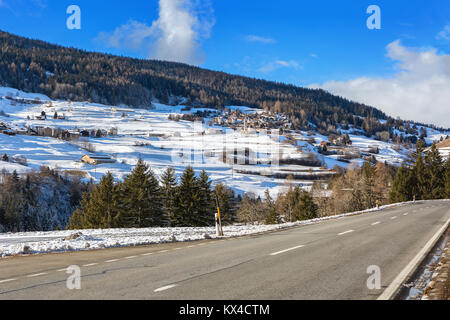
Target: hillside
x,y
68,73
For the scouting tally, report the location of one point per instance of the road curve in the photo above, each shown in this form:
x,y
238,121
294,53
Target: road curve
x,y
327,260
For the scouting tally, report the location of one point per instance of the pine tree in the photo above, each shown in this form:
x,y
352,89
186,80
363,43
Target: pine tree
x,y
142,199
206,207
186,200
420,173
447,179
402,187
434,186
226,203
368,184
99,208
169,186
272,216
306,208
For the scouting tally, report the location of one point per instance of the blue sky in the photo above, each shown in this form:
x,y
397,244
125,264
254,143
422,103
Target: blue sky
x,y
309,43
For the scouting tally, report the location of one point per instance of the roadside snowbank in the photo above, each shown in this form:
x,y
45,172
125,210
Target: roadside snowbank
x,y
54,241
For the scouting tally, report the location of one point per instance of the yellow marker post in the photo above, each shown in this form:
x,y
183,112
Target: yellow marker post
x,y
219,230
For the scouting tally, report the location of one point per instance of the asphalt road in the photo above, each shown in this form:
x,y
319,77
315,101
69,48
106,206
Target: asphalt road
x,y
327,260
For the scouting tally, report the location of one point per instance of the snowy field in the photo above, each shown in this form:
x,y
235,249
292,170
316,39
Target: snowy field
x,y
161,143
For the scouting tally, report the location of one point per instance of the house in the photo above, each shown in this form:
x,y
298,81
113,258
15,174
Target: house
x,y
444,148
97,159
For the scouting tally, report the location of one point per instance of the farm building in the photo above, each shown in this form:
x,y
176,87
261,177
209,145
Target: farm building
x,y
97,159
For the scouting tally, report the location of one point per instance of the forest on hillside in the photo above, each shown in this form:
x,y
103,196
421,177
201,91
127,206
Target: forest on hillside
x,y
72,74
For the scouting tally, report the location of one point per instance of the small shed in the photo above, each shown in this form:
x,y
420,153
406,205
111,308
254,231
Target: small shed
x,y
97,159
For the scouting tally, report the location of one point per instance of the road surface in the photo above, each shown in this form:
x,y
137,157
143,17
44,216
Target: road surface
x,y
327,260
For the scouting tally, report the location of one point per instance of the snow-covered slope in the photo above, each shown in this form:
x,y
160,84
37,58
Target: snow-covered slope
x,y
160,142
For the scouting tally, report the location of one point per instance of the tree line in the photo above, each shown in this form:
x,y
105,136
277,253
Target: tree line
x,y
143,200
41,200
425,175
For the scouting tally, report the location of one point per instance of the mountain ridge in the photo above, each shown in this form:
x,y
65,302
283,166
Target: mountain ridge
x,y
76,74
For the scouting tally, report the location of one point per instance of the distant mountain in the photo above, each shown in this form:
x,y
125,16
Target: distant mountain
x,y
68,73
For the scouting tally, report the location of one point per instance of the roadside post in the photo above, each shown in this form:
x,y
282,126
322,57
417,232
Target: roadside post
x,y
219,231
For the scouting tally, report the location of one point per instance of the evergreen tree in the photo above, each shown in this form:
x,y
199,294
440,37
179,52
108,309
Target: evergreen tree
x,y
168,188
420,173
447,179
187,200
226,203
272,216
142,199
206,207
99,208
402,186
306,208
368,185
434,185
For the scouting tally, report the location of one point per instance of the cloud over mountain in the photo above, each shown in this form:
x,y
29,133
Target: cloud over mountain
x,y
419,90
176,35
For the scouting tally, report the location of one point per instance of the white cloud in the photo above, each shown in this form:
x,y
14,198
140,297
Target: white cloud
x,y
277,64
176,35
259,39
420,90
444,34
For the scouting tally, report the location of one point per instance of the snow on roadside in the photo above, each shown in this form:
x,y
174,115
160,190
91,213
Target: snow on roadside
x,y
54,241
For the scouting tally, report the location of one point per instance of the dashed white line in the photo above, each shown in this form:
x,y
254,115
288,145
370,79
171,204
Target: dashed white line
x,y
162,251
7,280
393,218
405,214
165,288
177,249
112,260
147,254
375,223
62,270
90,264
131,257
191,246
37,275
283,251
345,232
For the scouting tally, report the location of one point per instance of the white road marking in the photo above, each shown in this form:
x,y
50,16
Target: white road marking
x,y
165,288
393,218
177,249
283,251
162,251
112,260
345,232
37,275
375,223
405,214
191,246
131,257
7,280
90,264
147,254
393,288
62,270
